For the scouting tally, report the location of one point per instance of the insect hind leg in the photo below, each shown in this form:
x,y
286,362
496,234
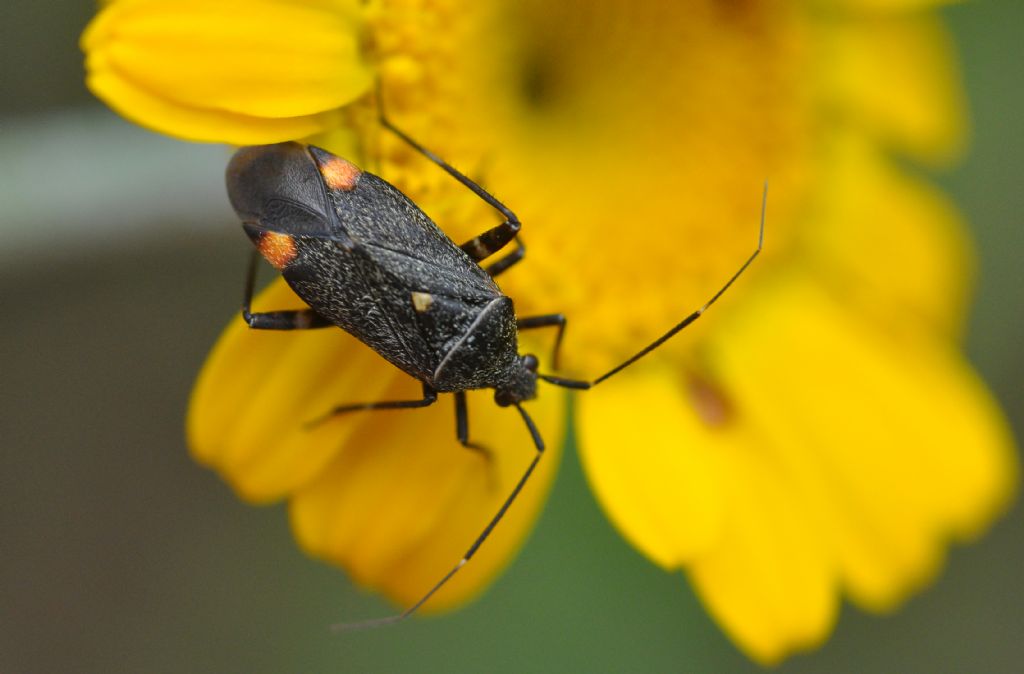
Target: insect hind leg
x,y
484,535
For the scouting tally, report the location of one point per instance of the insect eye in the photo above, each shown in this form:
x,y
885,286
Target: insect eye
x,y
530,361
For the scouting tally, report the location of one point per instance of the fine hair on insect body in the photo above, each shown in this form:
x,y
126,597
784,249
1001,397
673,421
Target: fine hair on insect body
x,y
366,259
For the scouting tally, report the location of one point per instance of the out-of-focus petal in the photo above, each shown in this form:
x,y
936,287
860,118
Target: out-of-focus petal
x,y
650,460
895,76
259,388
769,581
893,244
689,479
893,439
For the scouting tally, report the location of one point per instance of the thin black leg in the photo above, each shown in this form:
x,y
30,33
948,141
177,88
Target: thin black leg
x,y
295,319
585,384
462,425
429,398
545,321
380,622
492,240
507,261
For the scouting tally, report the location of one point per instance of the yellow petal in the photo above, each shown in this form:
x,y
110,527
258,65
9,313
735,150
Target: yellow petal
x,y
885,6
893,245
258,389
403,501
208,125
769,581
896,77
649,460
969,445
186,67
692,485
894,441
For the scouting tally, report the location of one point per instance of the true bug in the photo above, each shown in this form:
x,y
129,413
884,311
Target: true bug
x,y
365,258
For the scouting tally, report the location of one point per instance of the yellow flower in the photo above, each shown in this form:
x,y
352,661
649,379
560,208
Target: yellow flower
x,y
817,435
200,70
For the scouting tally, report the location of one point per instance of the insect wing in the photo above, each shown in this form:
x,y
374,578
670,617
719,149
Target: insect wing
x,y
391,228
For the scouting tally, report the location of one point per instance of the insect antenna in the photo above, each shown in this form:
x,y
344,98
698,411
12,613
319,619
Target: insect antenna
x,y
399,617
586,384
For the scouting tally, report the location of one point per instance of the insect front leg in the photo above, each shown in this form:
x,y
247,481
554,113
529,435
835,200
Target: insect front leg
x,y
494,239
294,319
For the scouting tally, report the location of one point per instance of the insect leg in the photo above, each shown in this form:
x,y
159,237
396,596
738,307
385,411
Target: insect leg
x,y
462,425
429,398
538,442
492,240
585,384
545,321
295,319
508,260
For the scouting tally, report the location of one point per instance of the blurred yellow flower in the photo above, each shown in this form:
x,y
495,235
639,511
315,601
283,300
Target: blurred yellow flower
x,y
817,435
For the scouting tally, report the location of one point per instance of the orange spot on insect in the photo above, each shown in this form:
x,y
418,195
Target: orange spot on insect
x,y
340,174
278,249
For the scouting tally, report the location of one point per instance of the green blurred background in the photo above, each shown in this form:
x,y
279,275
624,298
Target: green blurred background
x,y
120,263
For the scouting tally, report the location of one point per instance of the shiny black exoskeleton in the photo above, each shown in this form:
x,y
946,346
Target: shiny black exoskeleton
x,y
366,259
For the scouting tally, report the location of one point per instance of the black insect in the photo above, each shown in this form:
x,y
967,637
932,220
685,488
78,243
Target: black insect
x,y
366,259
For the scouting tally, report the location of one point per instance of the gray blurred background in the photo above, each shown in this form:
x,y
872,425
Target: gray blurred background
x,y
119,265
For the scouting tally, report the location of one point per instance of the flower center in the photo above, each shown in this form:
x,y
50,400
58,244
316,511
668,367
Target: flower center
x,y
612,129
